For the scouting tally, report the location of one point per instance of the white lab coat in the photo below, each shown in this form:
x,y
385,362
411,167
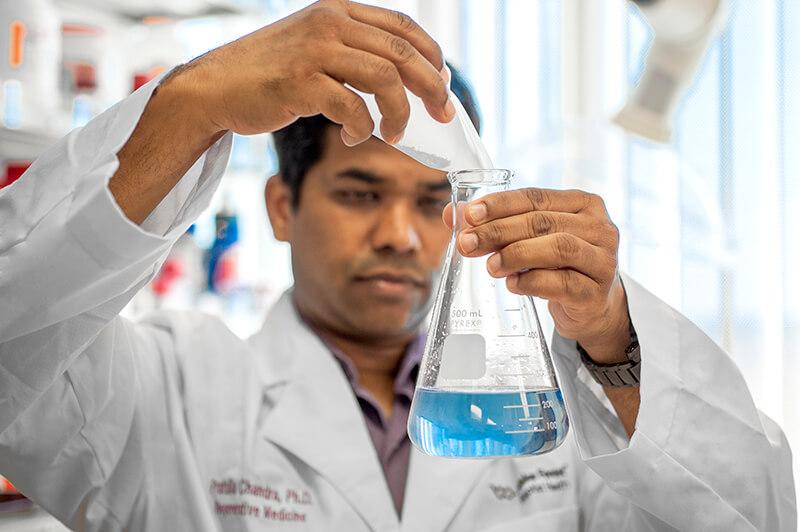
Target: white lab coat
x,y
177,424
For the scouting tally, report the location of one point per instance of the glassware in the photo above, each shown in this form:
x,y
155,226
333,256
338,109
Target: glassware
x,y
486,386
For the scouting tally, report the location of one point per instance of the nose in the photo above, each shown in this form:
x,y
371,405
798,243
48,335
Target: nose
x,y
395,229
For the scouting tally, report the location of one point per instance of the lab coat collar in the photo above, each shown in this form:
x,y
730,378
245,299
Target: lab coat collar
x,y
317,417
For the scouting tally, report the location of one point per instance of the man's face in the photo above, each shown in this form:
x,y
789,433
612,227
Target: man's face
x,y
367,239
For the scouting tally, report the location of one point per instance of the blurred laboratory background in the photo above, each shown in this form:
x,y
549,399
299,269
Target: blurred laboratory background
x,y
687,122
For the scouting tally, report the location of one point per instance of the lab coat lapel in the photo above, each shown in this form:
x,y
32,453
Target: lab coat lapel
x,y
436,490
317,417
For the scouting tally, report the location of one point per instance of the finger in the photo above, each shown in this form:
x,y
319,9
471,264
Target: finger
x,y
343,106
417,73
497,234
375,75
401,25
447,215
560,250
568,287
512,202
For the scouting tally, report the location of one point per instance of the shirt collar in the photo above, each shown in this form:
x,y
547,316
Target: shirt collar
x,y
406,378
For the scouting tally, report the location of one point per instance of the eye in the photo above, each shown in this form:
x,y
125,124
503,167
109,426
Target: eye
x,y
353,196
431,205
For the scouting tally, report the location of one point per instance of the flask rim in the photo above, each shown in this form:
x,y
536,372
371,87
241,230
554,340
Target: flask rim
x,y
473,177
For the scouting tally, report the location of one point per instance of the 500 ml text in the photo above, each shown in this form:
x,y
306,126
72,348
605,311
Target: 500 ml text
x,y
458,313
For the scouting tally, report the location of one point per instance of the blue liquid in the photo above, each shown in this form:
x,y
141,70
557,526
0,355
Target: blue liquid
x,y
482,425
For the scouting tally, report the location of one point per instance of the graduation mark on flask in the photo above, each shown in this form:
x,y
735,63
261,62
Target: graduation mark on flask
x,y
517,329
546,422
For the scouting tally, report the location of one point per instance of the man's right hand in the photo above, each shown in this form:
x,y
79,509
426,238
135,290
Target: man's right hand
x,y
298,67
295,67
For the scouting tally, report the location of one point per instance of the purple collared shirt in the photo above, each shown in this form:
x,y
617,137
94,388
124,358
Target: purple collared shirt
x,y
389,435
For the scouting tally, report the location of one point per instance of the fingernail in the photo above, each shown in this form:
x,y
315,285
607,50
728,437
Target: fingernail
x,y
348,140
449,109
469,242
512,280
445,73
477,212
493,264
397,138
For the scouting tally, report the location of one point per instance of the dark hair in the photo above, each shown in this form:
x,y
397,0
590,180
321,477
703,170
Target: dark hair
x,y
300,144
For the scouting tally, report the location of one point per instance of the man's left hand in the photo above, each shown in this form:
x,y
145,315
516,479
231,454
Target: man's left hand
x,y
560,246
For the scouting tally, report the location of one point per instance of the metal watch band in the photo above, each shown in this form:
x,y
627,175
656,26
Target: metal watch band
x,y
622,375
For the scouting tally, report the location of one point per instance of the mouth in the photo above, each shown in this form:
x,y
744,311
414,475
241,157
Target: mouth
x,y
392,283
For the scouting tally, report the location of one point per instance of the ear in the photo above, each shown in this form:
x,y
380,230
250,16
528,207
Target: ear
x,y
278,198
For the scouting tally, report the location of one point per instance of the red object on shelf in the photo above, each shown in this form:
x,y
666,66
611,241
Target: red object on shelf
x,y
84,77
172,270
14,171
6,488
139,80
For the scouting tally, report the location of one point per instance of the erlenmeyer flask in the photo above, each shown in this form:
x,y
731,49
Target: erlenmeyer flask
x,y
486,386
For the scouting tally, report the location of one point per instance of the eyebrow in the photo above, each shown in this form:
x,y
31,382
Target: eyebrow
x,y
373,179
440,185
361,175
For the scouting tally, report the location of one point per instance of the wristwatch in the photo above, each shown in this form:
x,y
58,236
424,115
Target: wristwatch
x,y
622,375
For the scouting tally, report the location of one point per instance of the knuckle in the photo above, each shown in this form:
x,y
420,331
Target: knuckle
x,y
401,49
513,255
321,17
585,293
403,21
595,201
337,103
536,197
611,270
384,72
541,224
567,286
332,4
345,105
353,105
490,234
575,290
613,234
607,236
565,246
582,293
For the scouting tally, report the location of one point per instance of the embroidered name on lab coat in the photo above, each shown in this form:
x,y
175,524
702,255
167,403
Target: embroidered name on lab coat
x,y
280,504
532,483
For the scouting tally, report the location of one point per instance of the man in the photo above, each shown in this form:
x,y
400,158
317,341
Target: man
x,y
176,424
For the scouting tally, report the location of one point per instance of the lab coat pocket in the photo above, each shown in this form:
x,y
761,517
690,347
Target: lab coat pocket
x,y
564,519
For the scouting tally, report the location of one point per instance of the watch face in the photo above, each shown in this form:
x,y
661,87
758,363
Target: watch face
x,y
634,352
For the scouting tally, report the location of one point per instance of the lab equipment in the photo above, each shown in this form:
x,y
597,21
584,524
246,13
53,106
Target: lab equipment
x,y
223,257
487,385
450,147
682,33
92,77
30,48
